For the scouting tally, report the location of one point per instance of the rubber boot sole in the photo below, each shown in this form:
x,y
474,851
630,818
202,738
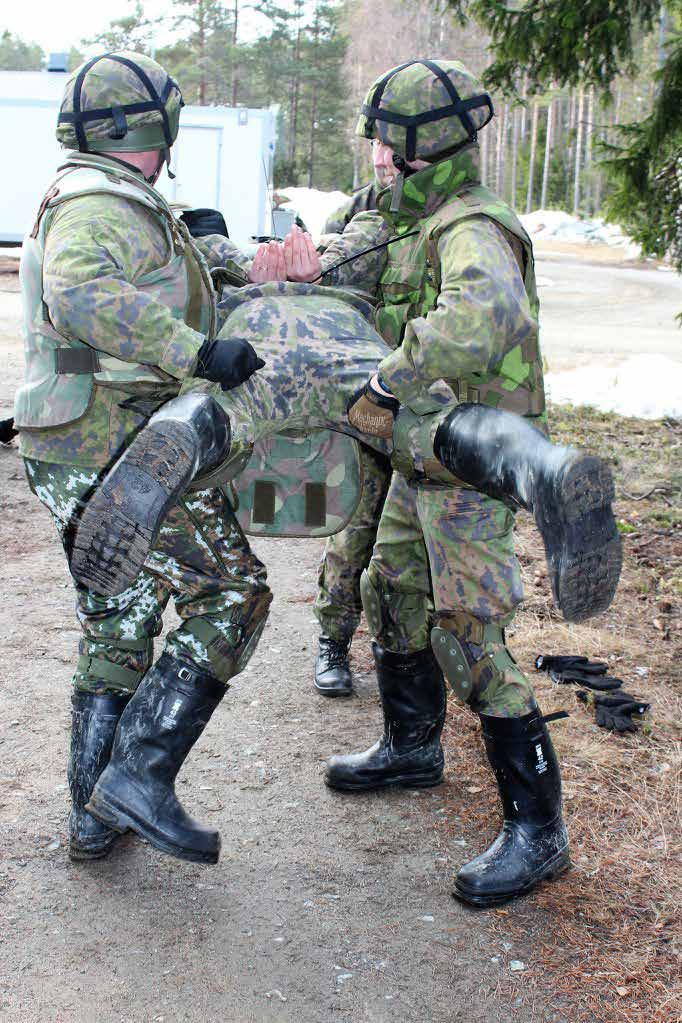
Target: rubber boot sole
x,y
406,781
122,518
80,854
582,543
558,865
120,818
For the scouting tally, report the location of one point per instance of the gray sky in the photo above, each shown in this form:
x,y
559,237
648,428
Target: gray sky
x,y
56,25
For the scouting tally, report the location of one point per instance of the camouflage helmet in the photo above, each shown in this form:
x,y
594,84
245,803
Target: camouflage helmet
x,y
425,109
119,102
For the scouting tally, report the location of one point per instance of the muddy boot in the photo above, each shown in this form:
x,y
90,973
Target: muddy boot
x,y
93,725
185,438
409,752
332,671
533,843
160,725
568,492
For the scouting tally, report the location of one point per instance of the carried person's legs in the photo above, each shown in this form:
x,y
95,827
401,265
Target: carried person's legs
x,y
318,350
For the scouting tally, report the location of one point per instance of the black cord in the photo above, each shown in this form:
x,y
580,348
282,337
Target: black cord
x,y
365,252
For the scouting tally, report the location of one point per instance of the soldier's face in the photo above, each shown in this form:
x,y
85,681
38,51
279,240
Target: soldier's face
x,y
384,168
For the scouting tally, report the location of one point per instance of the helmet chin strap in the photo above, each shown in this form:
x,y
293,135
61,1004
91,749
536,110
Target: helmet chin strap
x,y
404,171
164,157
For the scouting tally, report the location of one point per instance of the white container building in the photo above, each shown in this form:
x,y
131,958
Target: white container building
x,y
223,157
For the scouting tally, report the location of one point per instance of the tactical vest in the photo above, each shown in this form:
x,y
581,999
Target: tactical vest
x,y
411,283
61,371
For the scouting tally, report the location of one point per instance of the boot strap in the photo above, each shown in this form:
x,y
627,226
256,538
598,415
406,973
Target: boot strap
x,y
556,715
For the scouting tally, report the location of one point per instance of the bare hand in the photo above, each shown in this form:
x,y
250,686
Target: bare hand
x,y
268,264
301,257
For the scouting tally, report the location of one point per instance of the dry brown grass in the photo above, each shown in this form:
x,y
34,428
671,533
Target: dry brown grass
x,y
607,934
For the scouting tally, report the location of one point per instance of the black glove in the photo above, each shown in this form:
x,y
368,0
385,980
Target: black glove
x,y
557,662
565,670
576,676
227,362
616,712
372,412
203,222
7,431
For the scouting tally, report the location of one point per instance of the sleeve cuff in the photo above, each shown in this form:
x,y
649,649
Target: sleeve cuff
x,y
399,376
180,354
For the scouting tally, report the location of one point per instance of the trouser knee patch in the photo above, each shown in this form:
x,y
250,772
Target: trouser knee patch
x,y
112,665
471,653
371,604
398,621
230,645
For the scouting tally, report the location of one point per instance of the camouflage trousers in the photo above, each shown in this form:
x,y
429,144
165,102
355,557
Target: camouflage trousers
x,y
346,554
446,556
201,559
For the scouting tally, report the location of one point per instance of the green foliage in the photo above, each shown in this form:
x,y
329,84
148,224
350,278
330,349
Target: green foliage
x,y
563,41
647,168
16,55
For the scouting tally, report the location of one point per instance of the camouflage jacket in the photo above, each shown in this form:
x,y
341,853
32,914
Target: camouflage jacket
x,y
118,282
455,289
363,199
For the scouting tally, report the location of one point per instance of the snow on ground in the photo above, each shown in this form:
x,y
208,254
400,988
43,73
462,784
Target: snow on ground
x,y
559,226
312,205
644,386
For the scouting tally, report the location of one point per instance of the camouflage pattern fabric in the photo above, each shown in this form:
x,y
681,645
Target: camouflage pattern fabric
x,y
111,83
300,486
457,301
201,559
363,199
110,282
439,550
319,348
338,606
417,90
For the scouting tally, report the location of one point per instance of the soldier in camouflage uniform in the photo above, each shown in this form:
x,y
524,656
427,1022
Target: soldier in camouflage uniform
x,y
478,331
457,303
364,198
118,307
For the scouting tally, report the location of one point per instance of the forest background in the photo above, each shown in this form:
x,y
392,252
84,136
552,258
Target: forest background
x,y
555,135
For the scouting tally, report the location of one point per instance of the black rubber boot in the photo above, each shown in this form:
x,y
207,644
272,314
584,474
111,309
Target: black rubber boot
x,y
185,438
157,730
332,671
409,753
533,843
93,725
569,493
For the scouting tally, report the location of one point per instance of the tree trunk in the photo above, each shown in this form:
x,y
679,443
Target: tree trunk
x,y
578,151
500,163
516,125
533,148
295,86
548,155
313,110
201,32
589,133
235,32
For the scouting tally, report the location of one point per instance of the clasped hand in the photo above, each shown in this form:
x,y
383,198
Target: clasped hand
x,y
294,259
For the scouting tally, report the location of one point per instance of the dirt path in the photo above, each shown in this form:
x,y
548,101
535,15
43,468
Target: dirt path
x,y
321,908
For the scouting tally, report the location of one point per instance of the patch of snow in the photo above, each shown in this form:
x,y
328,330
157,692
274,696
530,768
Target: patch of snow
x,y
557,225
313,206
627,389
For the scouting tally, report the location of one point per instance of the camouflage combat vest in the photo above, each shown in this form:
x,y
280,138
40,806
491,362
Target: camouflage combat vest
x,y
411,282
61,371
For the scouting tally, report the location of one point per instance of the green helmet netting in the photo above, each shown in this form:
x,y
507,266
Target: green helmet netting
x,y
425,109
119,102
